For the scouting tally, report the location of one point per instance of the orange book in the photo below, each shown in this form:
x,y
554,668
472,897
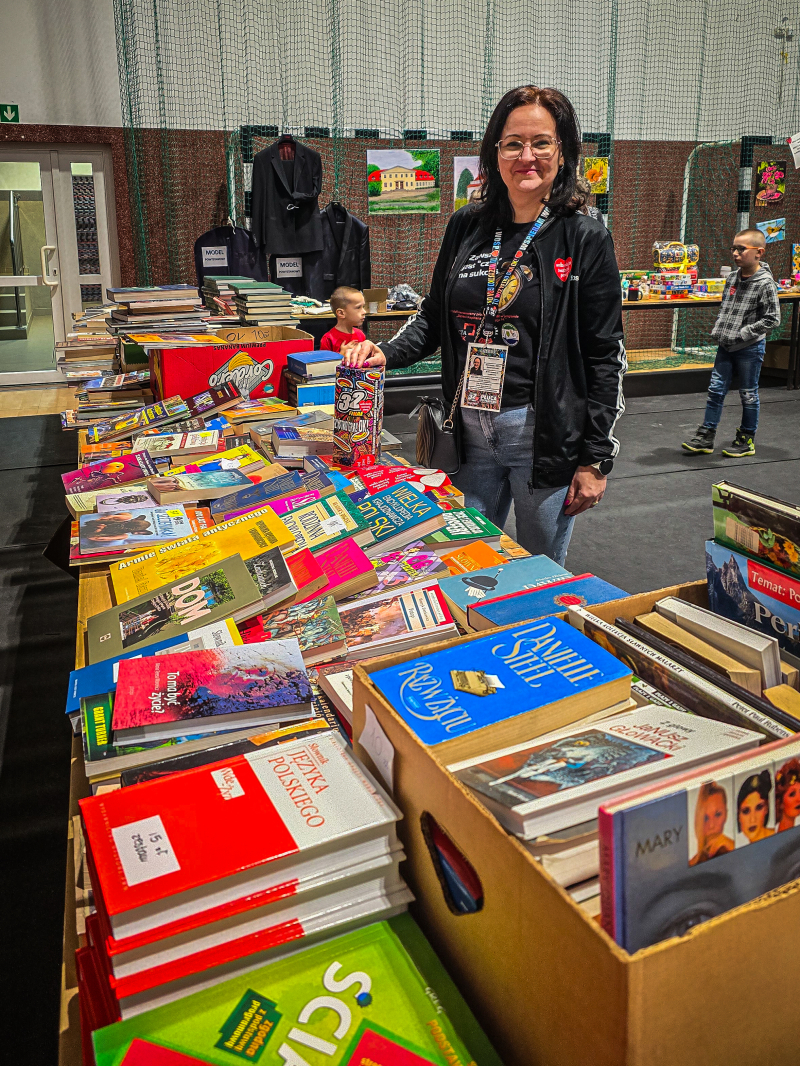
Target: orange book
x,y
475,556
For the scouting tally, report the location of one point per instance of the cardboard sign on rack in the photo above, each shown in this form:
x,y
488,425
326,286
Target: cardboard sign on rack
x,y
254,366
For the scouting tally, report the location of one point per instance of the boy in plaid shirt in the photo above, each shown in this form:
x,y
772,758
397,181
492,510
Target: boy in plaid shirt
x,y
749,312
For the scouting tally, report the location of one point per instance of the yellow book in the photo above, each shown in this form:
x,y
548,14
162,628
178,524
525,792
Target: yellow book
x,y
242,456
248,536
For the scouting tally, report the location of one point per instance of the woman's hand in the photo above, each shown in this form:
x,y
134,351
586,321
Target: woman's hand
x,y
364,353
586,489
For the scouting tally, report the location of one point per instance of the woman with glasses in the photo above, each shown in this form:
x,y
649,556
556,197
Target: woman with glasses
x,y
530,285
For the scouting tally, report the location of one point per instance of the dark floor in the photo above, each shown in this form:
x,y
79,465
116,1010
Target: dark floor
x,y
648,532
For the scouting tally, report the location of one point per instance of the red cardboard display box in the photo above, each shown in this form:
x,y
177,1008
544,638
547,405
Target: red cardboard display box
x,y
251,365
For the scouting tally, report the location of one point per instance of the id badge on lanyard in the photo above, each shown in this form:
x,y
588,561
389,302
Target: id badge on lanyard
x,y
485,372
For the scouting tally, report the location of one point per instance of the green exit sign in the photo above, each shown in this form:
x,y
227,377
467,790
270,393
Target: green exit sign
x,y
9,112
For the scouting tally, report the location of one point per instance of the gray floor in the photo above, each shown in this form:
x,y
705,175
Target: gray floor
x,y
651,527
35,353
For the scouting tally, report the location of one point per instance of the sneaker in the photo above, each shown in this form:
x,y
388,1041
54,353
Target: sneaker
x,y
743,444
702,443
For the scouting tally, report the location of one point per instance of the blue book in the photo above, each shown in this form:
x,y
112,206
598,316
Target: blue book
x,y
284,485
582,591
469,590
697,847
398,515
481,694
313,364
324,392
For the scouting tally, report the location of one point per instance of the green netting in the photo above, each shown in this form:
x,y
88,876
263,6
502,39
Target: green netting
x,y
685,99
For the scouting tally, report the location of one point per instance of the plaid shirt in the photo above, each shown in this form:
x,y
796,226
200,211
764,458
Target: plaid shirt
x,y
749,311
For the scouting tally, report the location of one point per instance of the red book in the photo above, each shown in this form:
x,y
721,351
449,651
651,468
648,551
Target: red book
x,y
182,844
307,574
524,592
347,569
143,1053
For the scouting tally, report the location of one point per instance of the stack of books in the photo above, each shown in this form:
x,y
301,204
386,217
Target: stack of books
x,y
218,294
156,308
83,357
262,303
311,377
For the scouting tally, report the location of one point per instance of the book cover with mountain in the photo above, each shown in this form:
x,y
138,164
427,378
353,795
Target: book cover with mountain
x,y
754,594
156,692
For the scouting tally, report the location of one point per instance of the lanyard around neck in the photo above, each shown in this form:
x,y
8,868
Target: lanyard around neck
x,y
494,292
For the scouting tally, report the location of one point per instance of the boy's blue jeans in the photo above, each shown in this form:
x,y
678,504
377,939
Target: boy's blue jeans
x,y
747,363
498,456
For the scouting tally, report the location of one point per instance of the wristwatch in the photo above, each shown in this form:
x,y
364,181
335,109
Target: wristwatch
x,y
604,467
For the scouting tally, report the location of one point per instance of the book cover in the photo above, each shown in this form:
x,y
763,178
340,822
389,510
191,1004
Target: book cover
x,y
202,486
555,598
411,566
321,524
108,474
550,784
379,477
204,837
206,596
375,624
122,501
514,575
248,536
191,425
307,574
754,594
173,409
398,513
243,457
477,683
758,525
257,495
271,573
463,524
291,503
475,556
316,625
199,688
358,414
346,567
390,1014
126,530
675,856
177,443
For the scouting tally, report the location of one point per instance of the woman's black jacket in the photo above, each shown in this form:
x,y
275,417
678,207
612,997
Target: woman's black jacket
x,y
581,359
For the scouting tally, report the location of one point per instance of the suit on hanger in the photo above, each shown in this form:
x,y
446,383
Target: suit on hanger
x,y
285,218
344,259
229,250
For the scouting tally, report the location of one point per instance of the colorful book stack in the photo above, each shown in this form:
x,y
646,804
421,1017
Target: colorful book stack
x,y
262,303
311,377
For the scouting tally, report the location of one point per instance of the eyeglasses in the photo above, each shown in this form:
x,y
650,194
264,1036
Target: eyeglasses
x,y
740,248
541,147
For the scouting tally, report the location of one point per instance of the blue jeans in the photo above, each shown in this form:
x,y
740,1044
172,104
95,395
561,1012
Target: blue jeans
x,y
496,468
747,363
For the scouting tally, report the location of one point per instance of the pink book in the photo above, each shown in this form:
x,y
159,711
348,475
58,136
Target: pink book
x,y
282,507
108,473
343,563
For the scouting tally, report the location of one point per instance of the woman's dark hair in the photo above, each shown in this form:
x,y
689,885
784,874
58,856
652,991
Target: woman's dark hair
x,y
760,783
494,206
788,775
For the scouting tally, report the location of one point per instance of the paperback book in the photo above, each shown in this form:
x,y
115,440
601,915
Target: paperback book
x,y
322,524
474,556
108,474
130,528
181,488
316,625
462,526
203,441
398,516
555,598
757,524
139,500
391,621
277,488
348,570
407,568
515,575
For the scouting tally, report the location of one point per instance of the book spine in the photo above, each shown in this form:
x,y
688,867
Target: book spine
x,y
605,837
699,695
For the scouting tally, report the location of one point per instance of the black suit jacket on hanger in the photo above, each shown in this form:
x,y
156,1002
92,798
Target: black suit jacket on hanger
x,y
344,259
285,217
242,256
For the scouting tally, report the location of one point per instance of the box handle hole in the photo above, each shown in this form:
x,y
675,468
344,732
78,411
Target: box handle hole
x,y
461,886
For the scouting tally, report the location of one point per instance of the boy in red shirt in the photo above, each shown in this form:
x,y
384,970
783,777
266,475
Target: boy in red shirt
x,y
348,306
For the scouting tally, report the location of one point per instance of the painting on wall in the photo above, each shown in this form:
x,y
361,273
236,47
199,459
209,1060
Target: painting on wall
x,y
595,170
400,182
771,183
774,229
466,183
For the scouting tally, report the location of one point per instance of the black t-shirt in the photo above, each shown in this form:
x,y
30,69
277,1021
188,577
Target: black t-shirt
x,y
518,317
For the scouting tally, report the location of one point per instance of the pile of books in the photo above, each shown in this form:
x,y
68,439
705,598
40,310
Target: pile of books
x,y
311,377
155,308
219,297
81,357
262,303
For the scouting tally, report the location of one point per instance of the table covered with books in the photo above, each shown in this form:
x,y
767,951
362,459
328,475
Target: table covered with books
x,y
357,779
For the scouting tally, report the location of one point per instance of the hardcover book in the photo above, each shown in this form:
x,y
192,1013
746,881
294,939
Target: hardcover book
x,y
676,854
754,594
208,595
407,568
554,598
196,691
180,488
560,779
391,621
514,575
358,414
316,625
109,473
320,525
480,694
462,526
314,365
757,524
128,529
248,536
399,515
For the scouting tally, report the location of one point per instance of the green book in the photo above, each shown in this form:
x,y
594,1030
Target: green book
x,y
321,524
759,525
355,999
208,595
462,526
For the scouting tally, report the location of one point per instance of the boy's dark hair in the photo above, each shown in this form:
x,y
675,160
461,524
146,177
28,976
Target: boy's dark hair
x,y
494,206
754,235
340,297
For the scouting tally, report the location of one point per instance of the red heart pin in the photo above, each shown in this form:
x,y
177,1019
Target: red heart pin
x,y
562,268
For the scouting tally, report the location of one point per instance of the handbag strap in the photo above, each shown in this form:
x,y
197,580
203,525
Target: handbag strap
x,y
448,422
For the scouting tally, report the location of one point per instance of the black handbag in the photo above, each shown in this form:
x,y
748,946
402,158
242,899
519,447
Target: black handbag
x,y
437,442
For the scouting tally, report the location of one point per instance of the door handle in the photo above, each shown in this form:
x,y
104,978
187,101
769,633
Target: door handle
x,y
51,282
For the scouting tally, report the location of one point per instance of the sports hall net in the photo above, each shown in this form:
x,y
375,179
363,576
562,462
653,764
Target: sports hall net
x,y
689,103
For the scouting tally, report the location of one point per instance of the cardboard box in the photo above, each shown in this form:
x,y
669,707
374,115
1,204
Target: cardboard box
x,y
547,984
378,296
249,364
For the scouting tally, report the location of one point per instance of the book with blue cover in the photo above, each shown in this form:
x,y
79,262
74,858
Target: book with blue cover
x,y
399,515
471,589
483,693
258,495
581,591
702,843
313,364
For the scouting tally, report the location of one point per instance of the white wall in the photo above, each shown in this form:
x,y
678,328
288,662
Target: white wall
x,y
58,61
